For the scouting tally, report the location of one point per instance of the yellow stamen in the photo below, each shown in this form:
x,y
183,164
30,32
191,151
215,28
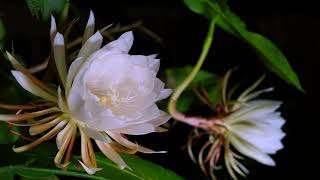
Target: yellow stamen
x,y
105,100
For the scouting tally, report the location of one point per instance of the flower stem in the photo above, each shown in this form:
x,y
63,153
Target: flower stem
x,y
193,121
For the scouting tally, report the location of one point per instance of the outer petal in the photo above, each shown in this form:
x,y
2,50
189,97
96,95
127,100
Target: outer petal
x,y
28,85
59,57
111,154
126,143
250,151
139,129
73,70
122,44
89,28
164,94
53,29
253,110
92,44
265,137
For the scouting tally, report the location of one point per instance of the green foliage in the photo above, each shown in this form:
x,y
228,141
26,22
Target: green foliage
x,y
42,9
5,136
270,55
204,79
38,164
175,76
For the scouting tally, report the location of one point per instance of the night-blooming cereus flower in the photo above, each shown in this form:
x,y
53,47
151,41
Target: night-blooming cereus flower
x,y
248,126
254,130
105,94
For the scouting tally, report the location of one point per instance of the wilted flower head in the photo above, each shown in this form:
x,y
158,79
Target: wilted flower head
x,y
105,94
251,127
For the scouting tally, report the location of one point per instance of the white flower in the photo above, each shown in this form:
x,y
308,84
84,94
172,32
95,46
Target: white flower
x,y
104,94
114,91
248,126
255,130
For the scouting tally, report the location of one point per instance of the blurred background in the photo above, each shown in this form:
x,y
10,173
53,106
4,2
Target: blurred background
x,y
293,26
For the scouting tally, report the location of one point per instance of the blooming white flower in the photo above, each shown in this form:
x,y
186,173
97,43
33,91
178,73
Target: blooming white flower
x,y
114,91
104,94
250,126
255,130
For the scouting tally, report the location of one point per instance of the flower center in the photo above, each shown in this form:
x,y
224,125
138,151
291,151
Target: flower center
x,y
105,101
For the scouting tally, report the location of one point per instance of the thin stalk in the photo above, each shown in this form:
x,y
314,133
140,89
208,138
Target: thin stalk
x,y
196,122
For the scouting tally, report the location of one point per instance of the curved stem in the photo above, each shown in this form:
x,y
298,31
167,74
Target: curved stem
x,y
193,121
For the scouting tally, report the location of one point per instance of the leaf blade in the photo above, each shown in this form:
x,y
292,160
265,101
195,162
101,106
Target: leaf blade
x,y
269,53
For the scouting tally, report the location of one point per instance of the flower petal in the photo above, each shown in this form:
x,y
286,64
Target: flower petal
x,y
62,134
107,150
53,29
253,110
72,72
250,151
89,28
139,129
164,94
34,130
27,116
26,73
128,144
47,136
154,64
28,85
63,147
89,170
62,102
91,45
59,57
263,136
122,44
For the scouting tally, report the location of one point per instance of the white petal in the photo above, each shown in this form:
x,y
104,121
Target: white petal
x,y
92,44
154,64
139,129
163,118
59,57
107,150
126,143
95,134
123,43
62,134
61,101
34,130
139,60
253,110
250,151
164,94
264,137
73,70
89,170
89,28
53,29
152,56
31,87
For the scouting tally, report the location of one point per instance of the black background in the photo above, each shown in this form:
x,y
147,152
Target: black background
x,y
293,26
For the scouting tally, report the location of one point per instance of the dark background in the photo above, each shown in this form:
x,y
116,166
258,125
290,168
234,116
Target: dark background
x,y
293,26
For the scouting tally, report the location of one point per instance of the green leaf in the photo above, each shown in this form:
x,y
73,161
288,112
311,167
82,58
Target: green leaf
x,y
204,79
5,174
42,9
175,76
5,136
34,164
53,177
269,53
